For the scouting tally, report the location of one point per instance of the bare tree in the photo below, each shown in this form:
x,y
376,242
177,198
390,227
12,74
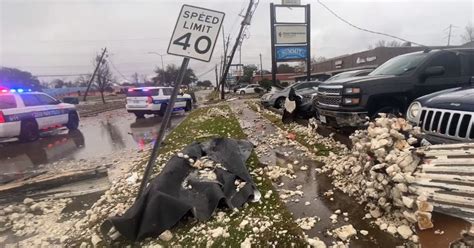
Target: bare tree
x,y
82,80
468,36
135,78
384,43
104,77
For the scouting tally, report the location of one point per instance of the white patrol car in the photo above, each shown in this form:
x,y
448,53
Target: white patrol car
x,y
153,100
26,114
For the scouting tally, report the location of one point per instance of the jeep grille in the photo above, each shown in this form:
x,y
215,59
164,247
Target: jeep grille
x,y
447,123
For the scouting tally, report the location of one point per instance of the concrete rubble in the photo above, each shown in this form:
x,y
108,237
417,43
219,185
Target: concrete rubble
x,y
46,222
378,171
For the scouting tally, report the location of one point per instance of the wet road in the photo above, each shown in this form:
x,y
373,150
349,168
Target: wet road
x,y
97,136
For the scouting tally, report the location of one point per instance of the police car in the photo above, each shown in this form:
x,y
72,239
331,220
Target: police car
x,y
24,114
154,100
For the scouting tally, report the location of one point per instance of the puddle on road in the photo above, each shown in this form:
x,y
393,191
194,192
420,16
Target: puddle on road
x,y
451,226
97,136
314,186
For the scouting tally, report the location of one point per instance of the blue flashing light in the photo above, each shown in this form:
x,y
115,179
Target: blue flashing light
x,y
12,90
29,90
20,90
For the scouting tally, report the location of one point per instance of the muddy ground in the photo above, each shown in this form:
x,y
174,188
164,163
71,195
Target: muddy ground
x,y
116,136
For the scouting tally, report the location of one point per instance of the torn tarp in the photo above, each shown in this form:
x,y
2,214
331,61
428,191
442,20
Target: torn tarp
x,y
218,178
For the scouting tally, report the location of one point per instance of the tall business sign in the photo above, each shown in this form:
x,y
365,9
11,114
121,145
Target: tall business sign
x,y
291,41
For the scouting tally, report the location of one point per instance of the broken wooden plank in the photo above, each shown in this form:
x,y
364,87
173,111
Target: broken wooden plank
x,y
446,177
449,161
51,180
448,169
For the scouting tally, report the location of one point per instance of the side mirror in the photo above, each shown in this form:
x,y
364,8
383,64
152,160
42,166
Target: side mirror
x,y
433,71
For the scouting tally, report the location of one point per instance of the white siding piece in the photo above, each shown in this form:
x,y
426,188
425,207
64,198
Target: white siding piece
x,y
446,176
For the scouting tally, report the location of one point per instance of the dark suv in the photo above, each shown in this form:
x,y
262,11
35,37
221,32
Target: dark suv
x,y
446,116
393,86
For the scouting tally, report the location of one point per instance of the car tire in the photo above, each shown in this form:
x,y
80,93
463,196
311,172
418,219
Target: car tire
x,y
162,109
280,102
189,106
29,131
242,92
387,109
139,115
73,121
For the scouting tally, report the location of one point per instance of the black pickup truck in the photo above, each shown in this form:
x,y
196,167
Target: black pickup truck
x,y
393,86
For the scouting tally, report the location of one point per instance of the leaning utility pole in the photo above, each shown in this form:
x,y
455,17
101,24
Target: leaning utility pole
x,y
93,74
244,23
449,35
217,78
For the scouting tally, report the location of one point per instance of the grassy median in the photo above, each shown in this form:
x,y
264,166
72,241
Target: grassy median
x,y
201,124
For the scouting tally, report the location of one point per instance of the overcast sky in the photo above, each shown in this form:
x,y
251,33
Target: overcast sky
x,y
62,36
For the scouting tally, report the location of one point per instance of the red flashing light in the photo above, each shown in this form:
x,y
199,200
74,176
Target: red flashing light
x,y
149,100
130,90
2,118
4,91
146,89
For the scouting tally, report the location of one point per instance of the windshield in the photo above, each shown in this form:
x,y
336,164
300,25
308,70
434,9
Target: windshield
x,y
400,65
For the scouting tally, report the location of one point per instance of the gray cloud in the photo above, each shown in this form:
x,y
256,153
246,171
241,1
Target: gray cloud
x,y
62,36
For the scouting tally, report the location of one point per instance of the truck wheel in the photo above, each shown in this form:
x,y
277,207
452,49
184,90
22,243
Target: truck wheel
x,y
29,131
189,106
389,110
139,115
73,121
162,109
280,103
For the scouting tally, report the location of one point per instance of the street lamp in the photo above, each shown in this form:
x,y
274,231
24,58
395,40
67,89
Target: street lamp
x,y
161,55
162,64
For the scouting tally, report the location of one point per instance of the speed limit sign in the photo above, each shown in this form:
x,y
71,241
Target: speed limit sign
x,y
196,32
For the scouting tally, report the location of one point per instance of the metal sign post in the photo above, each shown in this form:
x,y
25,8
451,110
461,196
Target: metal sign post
x,y
164,124
194,36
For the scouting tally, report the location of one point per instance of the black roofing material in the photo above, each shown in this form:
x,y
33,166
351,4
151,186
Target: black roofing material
x,y
165,201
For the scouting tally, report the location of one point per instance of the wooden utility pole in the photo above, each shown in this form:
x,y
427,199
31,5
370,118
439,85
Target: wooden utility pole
x,y
93,74
261,68
217,78
449,35
244,23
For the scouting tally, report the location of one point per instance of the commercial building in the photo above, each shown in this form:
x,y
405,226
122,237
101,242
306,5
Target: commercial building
x,y
284,78
361,60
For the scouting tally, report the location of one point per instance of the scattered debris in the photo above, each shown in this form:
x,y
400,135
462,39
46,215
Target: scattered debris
x,y
345,232
306,223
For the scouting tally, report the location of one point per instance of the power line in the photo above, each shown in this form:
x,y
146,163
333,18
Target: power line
x,y
115,68
366,30
205,73
63,75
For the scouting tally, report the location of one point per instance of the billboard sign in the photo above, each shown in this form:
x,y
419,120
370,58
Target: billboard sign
x,y
289,53
290,34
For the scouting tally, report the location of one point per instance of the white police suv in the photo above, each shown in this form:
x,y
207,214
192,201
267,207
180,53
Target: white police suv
x,y
154,100
24,114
